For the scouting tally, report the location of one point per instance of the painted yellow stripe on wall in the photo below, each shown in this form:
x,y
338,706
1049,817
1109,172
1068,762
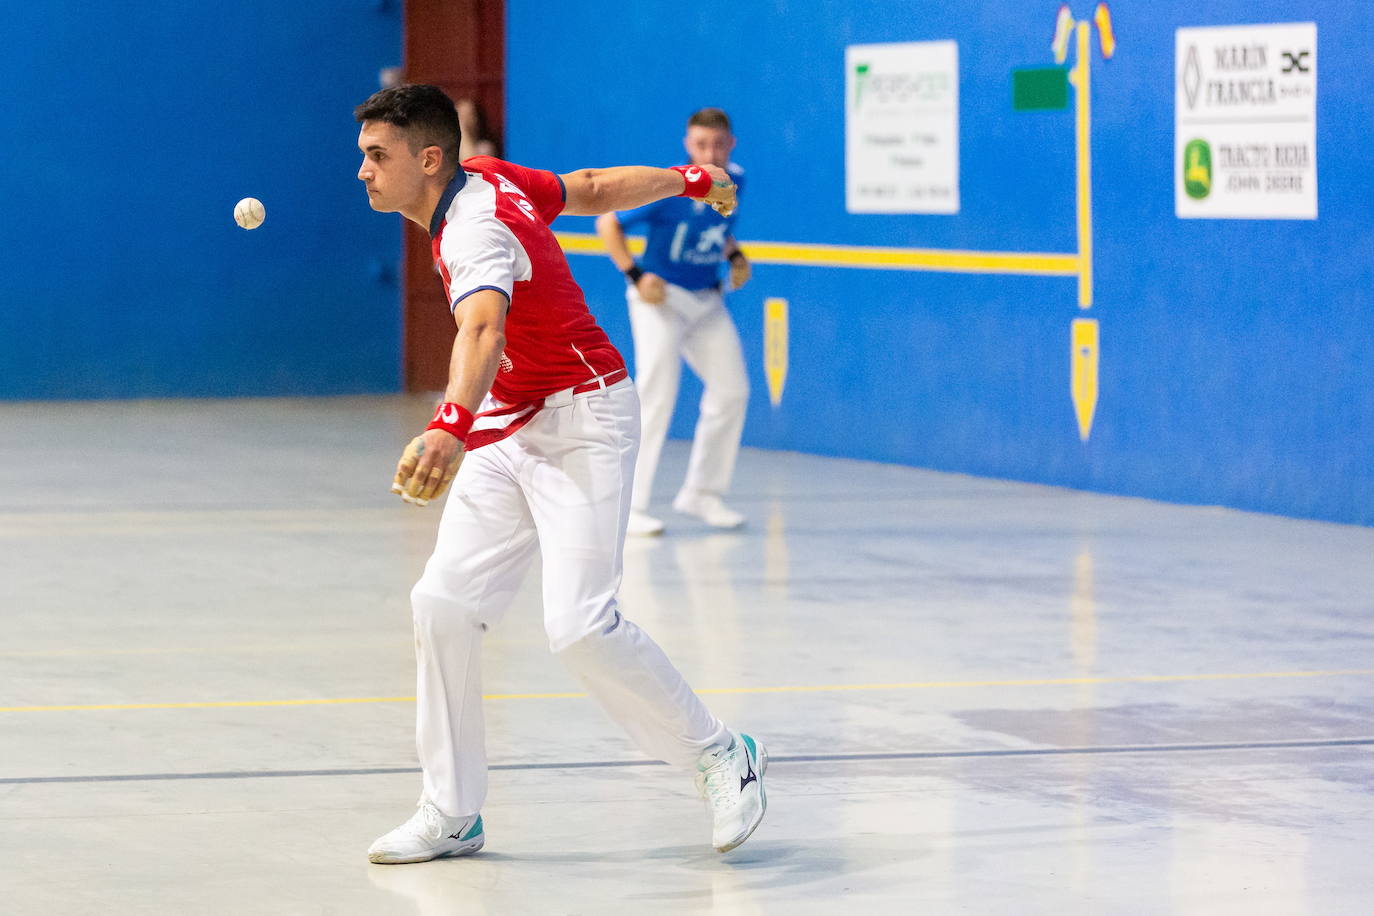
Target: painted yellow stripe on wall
x,y
798,688
1083,167
929,259
588,243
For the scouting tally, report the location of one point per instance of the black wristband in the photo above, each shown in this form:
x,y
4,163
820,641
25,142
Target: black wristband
x,y
735,255
634,273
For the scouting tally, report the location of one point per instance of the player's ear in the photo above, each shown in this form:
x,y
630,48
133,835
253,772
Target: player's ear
x,y
432,159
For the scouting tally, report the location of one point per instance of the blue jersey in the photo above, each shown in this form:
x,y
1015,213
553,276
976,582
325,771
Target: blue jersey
x,y
686,238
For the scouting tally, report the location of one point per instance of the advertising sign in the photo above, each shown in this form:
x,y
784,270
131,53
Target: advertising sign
x,y
1245,122
902,127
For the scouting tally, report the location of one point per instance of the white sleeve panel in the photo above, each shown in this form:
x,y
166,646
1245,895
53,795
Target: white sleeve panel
x,y
481,252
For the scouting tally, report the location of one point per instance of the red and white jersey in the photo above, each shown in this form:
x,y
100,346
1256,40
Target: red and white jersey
x,y
491,231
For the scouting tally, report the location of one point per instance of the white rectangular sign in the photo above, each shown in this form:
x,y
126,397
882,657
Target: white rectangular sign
x,y
902,127
1245,122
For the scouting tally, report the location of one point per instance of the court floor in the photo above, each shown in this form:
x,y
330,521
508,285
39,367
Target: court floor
x,y
979,696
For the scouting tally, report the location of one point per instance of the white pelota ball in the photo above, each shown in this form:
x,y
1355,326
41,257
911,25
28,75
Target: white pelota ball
x,y
249,213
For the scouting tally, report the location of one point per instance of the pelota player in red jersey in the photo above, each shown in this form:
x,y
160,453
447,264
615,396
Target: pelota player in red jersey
x,y
538,433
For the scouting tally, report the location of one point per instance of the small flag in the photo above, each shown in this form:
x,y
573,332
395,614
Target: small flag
x,y
1063,27
1103,17
775,347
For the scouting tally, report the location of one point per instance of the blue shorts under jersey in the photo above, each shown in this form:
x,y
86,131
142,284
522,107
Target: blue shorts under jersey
x,y
685,238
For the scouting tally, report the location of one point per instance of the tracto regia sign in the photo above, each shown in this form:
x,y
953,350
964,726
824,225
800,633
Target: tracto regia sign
x,y
1245,122
902,127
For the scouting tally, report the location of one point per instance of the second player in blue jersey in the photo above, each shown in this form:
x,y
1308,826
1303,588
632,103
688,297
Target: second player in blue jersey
x,y
677,313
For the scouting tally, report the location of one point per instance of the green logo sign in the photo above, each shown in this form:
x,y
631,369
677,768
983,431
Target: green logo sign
x,y
860,77
1197,169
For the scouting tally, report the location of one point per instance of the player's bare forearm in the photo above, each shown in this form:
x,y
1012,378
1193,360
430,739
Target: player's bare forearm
x,y
593,191
430,462
613,237
473,363
477,346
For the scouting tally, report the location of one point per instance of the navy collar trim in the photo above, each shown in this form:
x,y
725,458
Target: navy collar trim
x,y
436,222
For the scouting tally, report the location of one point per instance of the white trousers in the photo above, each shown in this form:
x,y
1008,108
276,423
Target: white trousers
x,y
690,325
559,487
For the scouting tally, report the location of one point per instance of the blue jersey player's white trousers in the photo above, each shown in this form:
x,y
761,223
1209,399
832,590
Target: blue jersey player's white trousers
x,y
691,325
560,488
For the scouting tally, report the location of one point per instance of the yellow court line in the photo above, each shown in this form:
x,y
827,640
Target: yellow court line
x,y
803,688
816,255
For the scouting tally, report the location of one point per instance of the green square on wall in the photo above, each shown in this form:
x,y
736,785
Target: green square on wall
x,y
1040,89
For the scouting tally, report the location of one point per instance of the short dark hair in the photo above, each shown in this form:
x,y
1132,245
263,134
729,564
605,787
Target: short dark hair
x,y
425,113
709,117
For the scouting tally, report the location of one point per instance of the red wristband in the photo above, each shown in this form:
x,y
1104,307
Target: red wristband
x,y
452,418
698,183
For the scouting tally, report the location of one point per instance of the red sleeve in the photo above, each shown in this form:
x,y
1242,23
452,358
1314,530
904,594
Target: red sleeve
x,y
544,189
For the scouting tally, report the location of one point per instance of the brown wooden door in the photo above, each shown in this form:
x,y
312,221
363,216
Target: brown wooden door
x,y
458,45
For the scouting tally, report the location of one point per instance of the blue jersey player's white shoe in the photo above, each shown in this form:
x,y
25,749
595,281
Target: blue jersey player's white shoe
x,y
429,834
708,507
731,781
643,525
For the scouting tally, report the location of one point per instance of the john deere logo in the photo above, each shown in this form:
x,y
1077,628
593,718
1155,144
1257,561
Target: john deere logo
x,y
1197,169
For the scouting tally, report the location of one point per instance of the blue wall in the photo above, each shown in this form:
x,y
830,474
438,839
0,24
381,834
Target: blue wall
x,y
130,130
1234,353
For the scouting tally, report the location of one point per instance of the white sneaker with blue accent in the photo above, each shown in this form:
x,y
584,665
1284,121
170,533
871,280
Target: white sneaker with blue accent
x,y
731,781
429,834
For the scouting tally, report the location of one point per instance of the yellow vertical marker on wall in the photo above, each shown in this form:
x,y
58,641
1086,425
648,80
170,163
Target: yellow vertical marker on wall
x,y
1081,78
1084,331
775,347
1084,341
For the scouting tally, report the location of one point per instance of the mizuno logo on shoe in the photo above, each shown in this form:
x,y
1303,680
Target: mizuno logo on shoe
x,y
748,777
